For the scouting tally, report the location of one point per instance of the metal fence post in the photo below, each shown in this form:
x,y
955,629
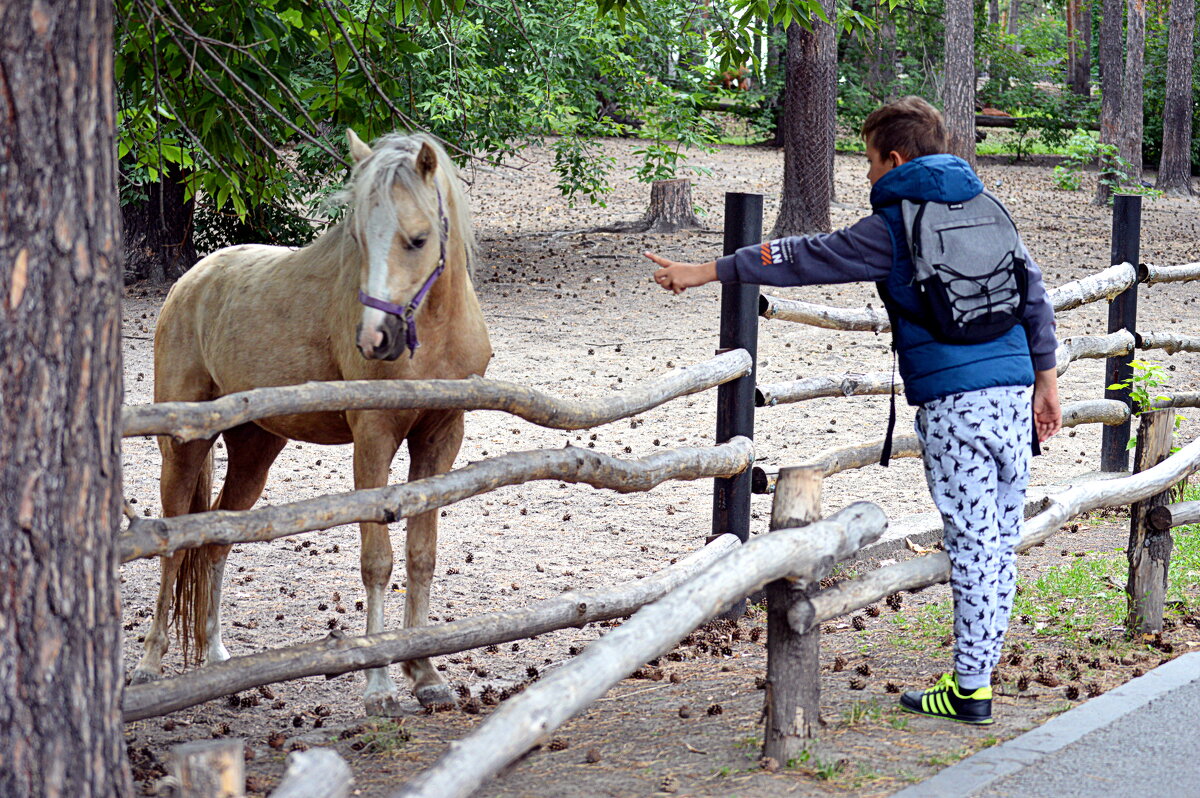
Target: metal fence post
x,y
1122,315
739,330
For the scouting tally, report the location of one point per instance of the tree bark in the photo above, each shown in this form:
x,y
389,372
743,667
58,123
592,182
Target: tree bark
x,y
1014,15
958,91
1149,549
60,400
881,76
1110,86
809,126
776,69
1078,63
1175,169
671,208
157,233
1132,90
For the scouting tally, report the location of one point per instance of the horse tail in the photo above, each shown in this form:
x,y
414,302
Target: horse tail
x,y
192,584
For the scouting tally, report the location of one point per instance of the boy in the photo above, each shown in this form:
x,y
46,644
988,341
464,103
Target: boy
x,y
973,404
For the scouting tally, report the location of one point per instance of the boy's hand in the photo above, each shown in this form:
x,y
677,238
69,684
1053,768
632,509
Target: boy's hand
x,y
677,277
1047,414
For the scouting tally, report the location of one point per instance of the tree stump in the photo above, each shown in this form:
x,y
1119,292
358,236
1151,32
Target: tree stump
x,y
210,769
670,211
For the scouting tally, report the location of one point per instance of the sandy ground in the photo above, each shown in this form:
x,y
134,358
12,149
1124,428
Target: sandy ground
x,y
577,316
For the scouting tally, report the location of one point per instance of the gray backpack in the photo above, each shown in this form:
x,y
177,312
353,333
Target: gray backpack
x,y
968,268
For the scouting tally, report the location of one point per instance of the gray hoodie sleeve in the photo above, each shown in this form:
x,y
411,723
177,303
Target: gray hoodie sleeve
x,y
1039,317
861,252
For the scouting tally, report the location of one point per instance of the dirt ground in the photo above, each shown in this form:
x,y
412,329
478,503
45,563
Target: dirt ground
x,y
576,315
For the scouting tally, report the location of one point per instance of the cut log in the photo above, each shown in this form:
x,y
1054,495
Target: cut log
x,y
1101,285
1178,400
148,537
1169,342
1149,549
316,773
188,421
1170,516
1180,273
524,719
851,595
210,768
793,697
337,655
1081,347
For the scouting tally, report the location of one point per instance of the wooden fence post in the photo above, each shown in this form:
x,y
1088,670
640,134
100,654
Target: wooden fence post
x,y
1122,315
1149,549
210,768
793,700
735,400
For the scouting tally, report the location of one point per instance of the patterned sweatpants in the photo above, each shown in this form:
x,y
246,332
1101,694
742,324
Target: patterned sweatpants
x,y
977,448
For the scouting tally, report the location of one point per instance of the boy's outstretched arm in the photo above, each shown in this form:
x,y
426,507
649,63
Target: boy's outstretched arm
x,y
678,277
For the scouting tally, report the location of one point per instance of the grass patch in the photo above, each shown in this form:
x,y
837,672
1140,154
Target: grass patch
x,y
381,737
859,711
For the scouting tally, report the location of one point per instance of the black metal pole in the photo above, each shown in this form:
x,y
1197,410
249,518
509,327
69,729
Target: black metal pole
x,y
739,330
1122,315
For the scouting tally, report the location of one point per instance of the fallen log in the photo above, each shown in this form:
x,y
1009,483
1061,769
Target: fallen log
x,y
846,597
1178,400
1169,342
522,720
316,773
880,382
188,421
1173,515
1101,285
332,655
1181,273
147,537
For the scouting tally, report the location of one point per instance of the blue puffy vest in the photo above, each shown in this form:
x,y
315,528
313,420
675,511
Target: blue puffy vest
x,y
932,369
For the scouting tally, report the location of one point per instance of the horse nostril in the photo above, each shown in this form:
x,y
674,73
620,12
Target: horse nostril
x,y
382,346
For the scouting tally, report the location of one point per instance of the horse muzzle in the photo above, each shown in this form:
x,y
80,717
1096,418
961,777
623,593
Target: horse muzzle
x,y
388,341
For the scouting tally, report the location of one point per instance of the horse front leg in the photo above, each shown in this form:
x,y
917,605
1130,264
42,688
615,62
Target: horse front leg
x,y
432,448
374,448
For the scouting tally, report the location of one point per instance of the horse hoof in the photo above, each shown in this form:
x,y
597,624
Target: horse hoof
x,y
434,694
385,705
140,676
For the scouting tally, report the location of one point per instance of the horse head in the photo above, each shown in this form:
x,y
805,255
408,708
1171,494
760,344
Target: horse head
x,y
399,219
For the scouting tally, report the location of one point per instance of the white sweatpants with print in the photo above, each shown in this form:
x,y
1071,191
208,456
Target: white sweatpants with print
x,y
977,449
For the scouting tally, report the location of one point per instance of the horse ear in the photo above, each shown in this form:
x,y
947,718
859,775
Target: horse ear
x,y
358,150
426,162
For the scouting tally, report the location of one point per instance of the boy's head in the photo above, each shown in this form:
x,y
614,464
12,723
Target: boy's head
x,y
900,131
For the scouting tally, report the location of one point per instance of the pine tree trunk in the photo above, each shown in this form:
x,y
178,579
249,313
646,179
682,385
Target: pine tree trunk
x,y
958,93
1110,83
60,401
1175,169
809,125
1085,49
1014,14
1077,54
776,67
1132,89
993,12
670,207
881,75
157,233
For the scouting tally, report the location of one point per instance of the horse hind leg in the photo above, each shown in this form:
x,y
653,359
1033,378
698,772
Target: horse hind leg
x,y
251,451
185,487
432,450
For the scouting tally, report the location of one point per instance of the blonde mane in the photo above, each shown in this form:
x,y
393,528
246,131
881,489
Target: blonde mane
x,y
392,163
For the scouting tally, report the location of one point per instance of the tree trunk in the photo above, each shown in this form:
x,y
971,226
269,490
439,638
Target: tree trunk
x,y
809,125
671,207
1130,141
958,93
993,12
60,400
1085,45
1014,14
1110,85
882,70
776,67
1175,168
1077,55
158,233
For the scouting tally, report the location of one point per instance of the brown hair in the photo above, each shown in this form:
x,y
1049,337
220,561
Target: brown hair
x,y
909,126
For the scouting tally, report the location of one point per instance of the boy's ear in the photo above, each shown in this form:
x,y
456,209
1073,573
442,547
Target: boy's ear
x,y
896,157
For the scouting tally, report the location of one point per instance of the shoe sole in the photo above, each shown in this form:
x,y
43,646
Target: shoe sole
x,y
967,721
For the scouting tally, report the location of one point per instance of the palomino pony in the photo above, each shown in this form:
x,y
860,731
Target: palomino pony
x,y
349,306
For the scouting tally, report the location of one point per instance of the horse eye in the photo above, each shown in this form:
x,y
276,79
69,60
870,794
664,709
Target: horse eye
x,y
416,243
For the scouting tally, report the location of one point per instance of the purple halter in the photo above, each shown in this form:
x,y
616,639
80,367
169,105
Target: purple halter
x,y
406,312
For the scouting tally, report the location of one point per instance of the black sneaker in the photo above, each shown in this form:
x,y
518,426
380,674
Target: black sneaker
x,y
943,700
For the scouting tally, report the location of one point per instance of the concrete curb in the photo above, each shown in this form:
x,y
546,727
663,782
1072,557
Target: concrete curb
x,y
982,769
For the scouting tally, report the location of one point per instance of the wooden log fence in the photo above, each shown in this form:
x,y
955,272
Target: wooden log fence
x,y
1169,342
193,420
1104,284
852,595
1170,516
1149,549
149,537
315,773
1180,273
653,631
880,383
336,655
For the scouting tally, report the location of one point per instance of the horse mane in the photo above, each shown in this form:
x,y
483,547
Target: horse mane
x,y
392,163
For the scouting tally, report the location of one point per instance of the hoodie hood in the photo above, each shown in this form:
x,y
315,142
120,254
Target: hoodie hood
x,y
942,178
